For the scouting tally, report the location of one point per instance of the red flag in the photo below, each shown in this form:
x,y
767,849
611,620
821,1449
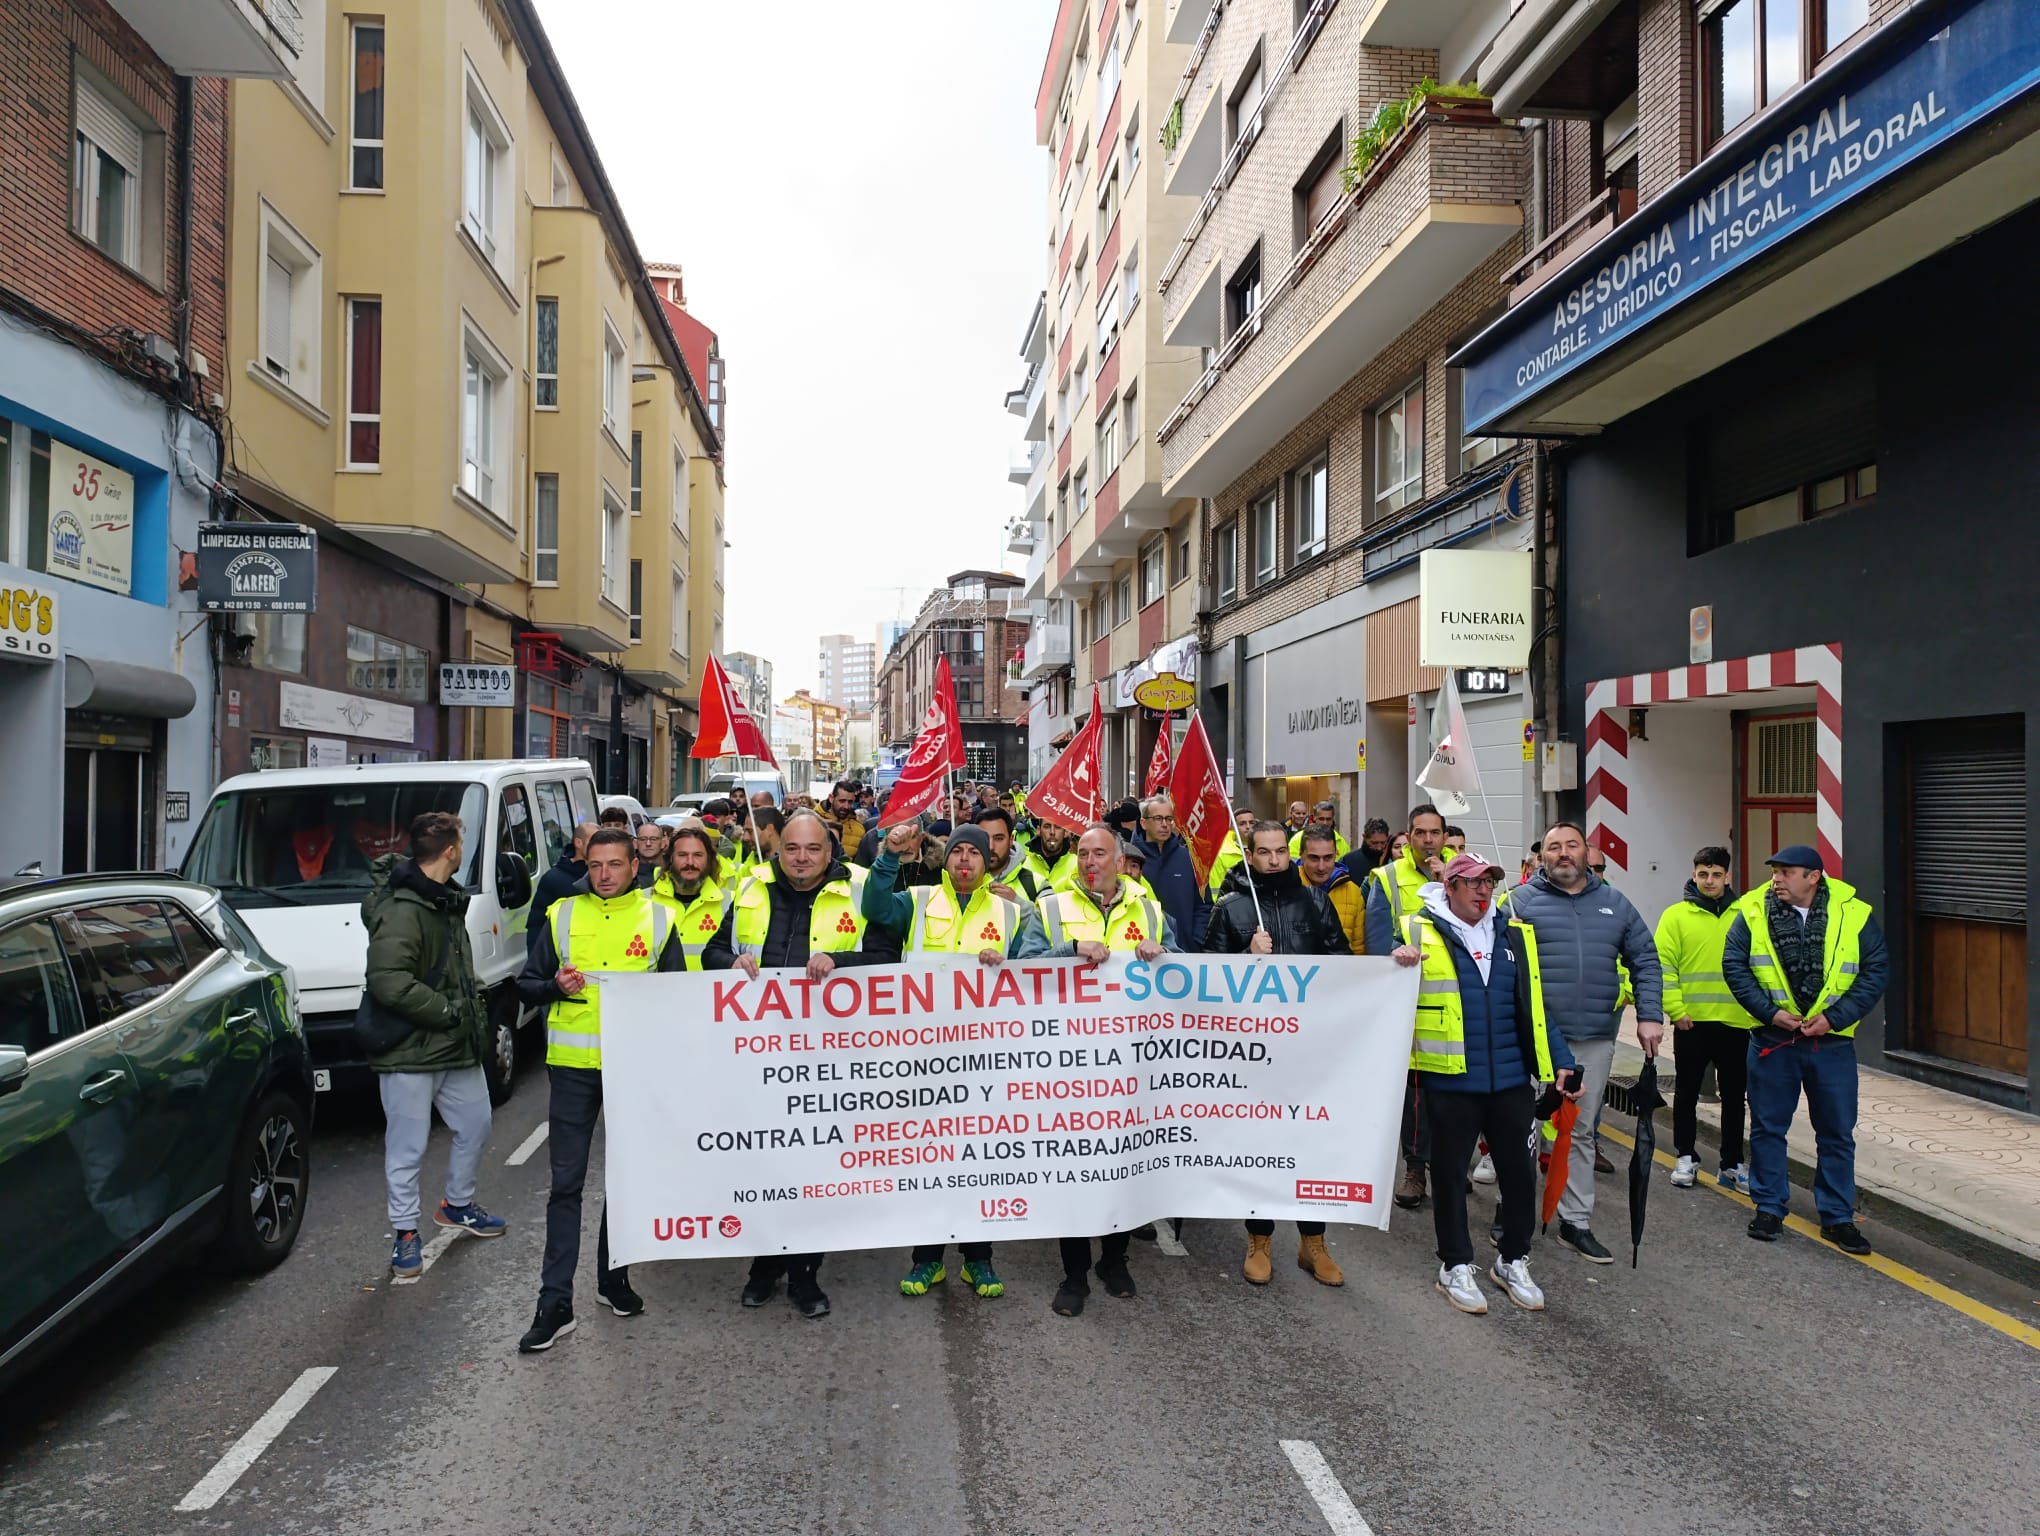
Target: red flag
x,y
1203,815
938,747
1158,765
728,729
1068,793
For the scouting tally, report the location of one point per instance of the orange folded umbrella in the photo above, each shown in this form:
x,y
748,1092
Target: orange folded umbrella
x,y
1561,1156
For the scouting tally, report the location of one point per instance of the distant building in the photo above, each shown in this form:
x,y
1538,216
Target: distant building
x,y
822,731
849,669
980,622
752,678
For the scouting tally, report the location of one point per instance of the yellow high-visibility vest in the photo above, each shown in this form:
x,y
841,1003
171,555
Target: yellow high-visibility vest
x,y
698,917
942,925
835,924
595,933
1073,916
1841,955
1439,1044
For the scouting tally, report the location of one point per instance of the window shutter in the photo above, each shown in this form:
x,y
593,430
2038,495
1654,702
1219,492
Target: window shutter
x,y
1966,784
276,315
110,128
1777,438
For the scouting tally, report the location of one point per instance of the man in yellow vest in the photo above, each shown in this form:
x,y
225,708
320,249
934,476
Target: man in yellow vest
x,y
1102,913
803,909
1481,1041
691,883
1394,894
964,914
1806,960
1710,1028
1051,860
1231,853
613,925
1324,814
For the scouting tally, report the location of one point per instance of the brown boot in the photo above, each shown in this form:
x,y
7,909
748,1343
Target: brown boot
x,y
1409,1189
1260,1266
1311,1255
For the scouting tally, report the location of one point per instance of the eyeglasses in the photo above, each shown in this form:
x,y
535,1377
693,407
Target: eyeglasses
x,y
1161,821
1478,882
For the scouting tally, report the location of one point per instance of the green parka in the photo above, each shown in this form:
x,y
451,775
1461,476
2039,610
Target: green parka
x,y
416,929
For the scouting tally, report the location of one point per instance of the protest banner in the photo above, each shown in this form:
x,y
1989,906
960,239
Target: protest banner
x,y
944,1100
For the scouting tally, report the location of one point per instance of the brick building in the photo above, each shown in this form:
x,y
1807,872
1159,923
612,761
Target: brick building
x,y
113,189
979,620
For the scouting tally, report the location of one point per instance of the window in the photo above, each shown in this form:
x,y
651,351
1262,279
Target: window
x,y
378,664
678,632
1225,557
1399,451
1083,494
1244,102
1129,421
1322,189
1082,391
38,1003
615,381
1820,498
615,548
1108,204
291,307
1108,74
681,488
486,203
546,370
364,381
1108,321
1179,565
1754,51
637,472
106,174
1129,282
637,599
276,641
266,752
1262,526
545,531
365,166
1132,143
1122,599
1061,525
125,956
1108,444
483,432
1307,490
562,187
516,832
1243,293
1153,566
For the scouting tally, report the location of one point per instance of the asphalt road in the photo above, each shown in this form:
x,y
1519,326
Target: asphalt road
x,y
1724,1386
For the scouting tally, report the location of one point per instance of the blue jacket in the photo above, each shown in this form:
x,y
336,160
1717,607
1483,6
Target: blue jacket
x,y
1579,939
1500,1054
1174,880
1847,1009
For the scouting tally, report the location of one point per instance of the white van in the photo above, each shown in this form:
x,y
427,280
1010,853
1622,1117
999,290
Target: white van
x,y
291,849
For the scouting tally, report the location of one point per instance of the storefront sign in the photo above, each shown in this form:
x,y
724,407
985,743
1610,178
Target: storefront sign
x,y
257,568
325,752
1314,705
300,708
1700,635
477,685
177,805
28,622
1898,96
1177,656
92,520
1166,692
1474,608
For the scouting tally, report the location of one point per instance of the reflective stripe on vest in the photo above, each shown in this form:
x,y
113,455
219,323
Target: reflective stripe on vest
x,y
938,929
618,935
835,923
1085,923
1438,1043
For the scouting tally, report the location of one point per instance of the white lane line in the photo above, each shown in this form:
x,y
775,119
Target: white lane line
x,y
1168,1242
1330,1494
529,1145
241,1454
442,1240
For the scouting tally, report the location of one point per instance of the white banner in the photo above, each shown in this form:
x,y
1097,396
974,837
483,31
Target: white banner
x,y
949,1101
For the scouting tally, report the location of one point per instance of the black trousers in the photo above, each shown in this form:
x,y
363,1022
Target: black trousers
x,y
576,1104
1303,1229
1076,1253
1710,1043
1416,1126
1508,1122
795,1266
931,1253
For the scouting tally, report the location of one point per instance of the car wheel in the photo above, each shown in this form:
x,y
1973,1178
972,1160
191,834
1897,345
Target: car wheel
x,y
267,1185
499,1056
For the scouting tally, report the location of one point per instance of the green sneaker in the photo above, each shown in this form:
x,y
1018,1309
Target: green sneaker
x,y
921,1277
979,1275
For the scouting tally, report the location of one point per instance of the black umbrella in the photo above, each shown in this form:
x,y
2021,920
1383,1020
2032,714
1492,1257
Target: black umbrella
x,y
1644,1101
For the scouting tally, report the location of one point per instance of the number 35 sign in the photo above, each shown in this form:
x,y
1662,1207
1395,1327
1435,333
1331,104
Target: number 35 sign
x,y
92,520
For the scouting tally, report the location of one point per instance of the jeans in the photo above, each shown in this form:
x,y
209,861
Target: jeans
x,y
407,1100
1416,1126
1508,1121
1825,1067
1596,1059
576,1105
1303,1228
973,1253
1076,1253
1710,1043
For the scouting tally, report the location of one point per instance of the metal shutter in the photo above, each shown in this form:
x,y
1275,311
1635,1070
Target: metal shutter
x,y
1777,437
1968,811
110,128
276,317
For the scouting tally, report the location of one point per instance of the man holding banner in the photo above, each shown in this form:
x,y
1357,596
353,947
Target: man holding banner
x,y
962,915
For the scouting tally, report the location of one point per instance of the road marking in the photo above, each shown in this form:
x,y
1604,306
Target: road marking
x,y
241,1454
1927,1286
529,1145
444,1239
1325,1488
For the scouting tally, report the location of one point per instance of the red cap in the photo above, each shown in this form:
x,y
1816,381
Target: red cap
x,y
1470,866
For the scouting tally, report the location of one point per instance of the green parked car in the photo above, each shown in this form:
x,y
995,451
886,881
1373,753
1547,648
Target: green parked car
x,y
155,1095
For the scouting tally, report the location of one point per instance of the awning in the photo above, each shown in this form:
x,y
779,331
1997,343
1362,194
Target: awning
x,y
122,688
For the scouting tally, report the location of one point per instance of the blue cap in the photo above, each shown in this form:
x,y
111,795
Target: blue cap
x,y
1799,854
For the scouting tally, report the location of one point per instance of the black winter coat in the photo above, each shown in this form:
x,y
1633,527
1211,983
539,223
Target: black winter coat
x,y
1297,916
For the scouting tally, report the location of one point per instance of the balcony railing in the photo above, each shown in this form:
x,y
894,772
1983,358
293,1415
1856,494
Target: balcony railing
x,y
1048,647
1025,460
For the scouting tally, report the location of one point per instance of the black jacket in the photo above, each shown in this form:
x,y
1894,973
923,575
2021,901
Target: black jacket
x,y
1297,916
786,931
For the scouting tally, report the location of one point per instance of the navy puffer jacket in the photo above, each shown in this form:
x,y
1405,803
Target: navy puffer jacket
x,y
1579,938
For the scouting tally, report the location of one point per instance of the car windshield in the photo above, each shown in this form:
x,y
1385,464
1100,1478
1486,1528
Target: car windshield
x,y
311,844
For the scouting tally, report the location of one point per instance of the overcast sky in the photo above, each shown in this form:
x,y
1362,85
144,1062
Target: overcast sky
x,y
858,201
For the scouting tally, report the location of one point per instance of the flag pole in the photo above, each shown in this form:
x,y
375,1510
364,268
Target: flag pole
x,y
1247,864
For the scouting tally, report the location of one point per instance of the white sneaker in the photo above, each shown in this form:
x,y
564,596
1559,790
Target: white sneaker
x,y
1462,1289
1736,1176
1685,1172
1484,1170
1513,1276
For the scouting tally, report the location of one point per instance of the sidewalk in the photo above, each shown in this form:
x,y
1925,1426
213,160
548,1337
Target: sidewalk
x,y
1960,1161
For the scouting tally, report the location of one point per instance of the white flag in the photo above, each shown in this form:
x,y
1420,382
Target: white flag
x,y
1452,774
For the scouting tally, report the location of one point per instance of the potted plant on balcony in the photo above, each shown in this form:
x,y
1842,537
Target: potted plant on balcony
x,y
1394,116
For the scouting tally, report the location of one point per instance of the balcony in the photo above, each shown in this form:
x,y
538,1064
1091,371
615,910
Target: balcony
x,y
1569,57
243,39
1030,401
1024,461
1193,163
1048,647
1437,201
1186,19
1414,23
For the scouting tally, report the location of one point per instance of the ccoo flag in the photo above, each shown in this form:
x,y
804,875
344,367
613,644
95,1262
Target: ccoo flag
x,y
727,728
938,747
1158,765
1203,815
1068,793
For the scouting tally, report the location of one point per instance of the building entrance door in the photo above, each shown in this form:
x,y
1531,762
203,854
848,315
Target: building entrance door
x,y
109,776
1777,781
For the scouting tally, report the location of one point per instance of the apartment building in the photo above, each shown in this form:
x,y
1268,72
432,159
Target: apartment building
x,y
751,676
1790,246
979,620
821,731
524,473
1112,555
849,671
113,293
1353,225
